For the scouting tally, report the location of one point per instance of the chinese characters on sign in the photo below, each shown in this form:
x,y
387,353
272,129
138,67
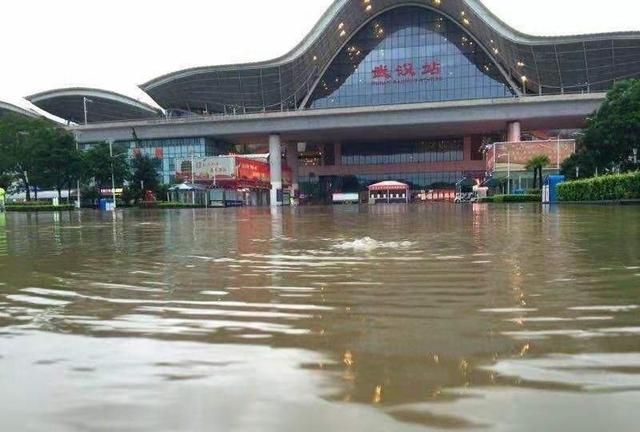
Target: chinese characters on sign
x,y
407,71
381,72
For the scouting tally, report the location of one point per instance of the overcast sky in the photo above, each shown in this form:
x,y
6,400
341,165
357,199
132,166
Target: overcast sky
x,y
118,44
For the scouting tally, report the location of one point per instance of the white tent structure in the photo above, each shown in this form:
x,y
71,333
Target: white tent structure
x,y
389,192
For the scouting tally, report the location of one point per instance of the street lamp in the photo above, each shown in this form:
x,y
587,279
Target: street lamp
x,y
508,171
85,100
113,180
25,174
635,156
193,180
78,205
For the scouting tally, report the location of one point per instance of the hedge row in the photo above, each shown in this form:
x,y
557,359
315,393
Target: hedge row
x,y
512,199
607,188
39,208
174,205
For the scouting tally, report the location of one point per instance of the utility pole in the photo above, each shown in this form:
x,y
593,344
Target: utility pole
x,y
113,180
78,203
193,182
84,105
508,173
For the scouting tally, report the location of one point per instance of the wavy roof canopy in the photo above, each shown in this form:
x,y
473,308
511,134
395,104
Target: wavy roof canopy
x,y
6,107
552,65
102,105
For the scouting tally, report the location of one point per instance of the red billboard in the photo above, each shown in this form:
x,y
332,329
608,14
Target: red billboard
x,y
229,171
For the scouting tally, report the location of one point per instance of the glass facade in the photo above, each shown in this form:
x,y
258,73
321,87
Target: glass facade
x,y
168,150
409,55
404,152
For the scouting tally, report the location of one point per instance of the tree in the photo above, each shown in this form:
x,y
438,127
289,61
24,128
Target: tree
x,y
5,181
537,164
64,161
581,164
145,172
24,146
614,131
100,164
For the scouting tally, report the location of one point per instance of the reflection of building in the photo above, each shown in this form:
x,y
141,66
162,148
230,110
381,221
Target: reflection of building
x,y
406,90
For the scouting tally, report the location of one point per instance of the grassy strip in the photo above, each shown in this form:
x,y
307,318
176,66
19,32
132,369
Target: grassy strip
x,y
39,208
606,188
512,199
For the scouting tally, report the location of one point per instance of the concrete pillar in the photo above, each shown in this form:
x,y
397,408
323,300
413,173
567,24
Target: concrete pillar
x,y
275,162
514,132
467,148
292,162
338,153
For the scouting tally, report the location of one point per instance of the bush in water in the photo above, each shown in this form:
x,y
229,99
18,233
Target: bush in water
x,y
607,188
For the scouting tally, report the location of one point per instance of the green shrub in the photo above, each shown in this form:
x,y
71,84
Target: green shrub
x,y
38,208
174,205
607,188
33,203
517,198
503,199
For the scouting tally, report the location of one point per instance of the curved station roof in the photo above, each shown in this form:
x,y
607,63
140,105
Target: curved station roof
x,y
102,105
536,65
6,107
348,33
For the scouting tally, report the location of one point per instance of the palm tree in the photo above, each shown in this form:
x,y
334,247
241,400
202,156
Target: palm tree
x,y
537,164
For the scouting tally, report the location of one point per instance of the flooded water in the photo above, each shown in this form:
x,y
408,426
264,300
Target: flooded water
x,y
390,318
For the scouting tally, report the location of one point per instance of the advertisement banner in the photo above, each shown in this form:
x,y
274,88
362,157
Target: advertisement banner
x,y
252,170
206,169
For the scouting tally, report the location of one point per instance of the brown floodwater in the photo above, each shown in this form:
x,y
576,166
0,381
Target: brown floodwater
x,y
387,318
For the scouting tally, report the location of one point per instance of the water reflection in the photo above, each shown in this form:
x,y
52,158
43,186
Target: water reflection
x,y
391,317
3,233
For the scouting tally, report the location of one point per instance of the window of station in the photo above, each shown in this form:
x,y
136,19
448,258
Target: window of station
x,y
168,150
403,152
409,55
312,156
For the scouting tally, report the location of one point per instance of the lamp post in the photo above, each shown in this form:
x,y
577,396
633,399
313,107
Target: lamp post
x,y
85,100
193,179
113,180
26,175
524,85
635,156
508,171
78,205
